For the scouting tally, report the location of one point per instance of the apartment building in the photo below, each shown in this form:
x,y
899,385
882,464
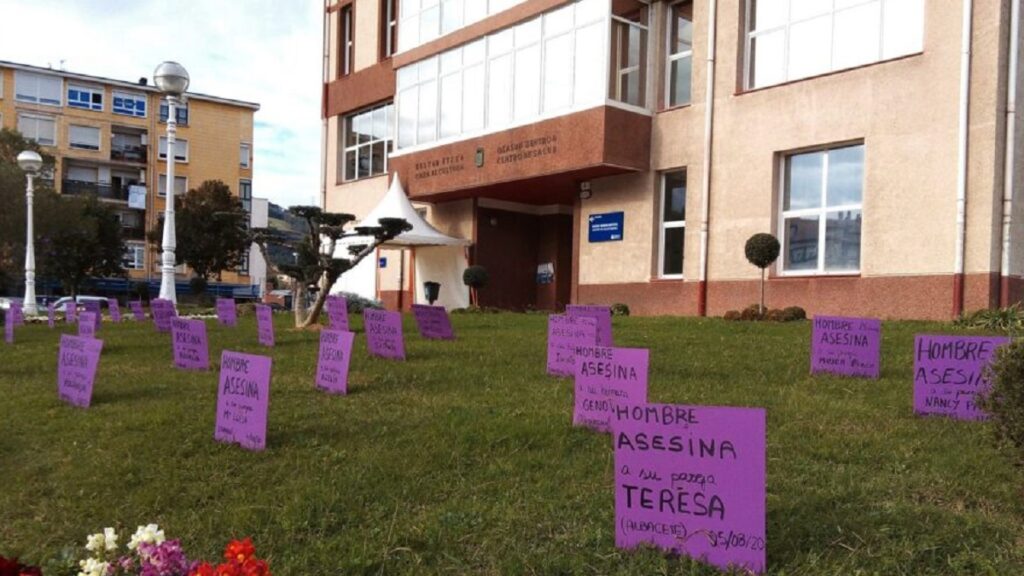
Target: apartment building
x,y
109,140
601,151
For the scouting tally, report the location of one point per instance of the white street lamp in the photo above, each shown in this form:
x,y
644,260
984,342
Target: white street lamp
x,y
170,78
31,162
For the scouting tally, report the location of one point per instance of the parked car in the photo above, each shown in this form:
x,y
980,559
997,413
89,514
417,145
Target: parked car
x,y
60,303
5,303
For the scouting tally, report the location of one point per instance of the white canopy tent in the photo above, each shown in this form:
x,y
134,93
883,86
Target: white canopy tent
x,y
438,257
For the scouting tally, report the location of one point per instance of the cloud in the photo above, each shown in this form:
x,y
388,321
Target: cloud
x,y
263,51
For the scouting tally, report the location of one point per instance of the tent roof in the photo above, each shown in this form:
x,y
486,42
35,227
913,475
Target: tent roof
x,y
395,204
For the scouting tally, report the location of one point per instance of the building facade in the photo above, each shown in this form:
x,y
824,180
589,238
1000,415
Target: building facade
x,y
602,151
109,140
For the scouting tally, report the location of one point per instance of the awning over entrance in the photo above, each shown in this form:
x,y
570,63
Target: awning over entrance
x,y
395,204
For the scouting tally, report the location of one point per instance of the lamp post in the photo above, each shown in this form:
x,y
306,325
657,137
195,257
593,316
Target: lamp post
x,y
30,162
170,78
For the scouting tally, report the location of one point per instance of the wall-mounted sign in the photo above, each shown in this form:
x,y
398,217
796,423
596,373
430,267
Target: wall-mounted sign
x,y
606,227
137,197
383,263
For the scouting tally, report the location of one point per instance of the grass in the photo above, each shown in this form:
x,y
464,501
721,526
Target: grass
x,y
463,459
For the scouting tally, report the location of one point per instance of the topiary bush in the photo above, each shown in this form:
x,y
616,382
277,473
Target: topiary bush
x,y
762,250
620,309
475,277
1005,400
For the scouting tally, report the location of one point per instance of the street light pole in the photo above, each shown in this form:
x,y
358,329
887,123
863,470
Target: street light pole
x,y
172,79
30,162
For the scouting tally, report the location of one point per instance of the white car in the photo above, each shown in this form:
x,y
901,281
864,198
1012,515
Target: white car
x,y
60,303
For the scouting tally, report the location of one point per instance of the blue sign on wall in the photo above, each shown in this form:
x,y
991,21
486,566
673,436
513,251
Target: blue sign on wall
x,y
606,227
383,262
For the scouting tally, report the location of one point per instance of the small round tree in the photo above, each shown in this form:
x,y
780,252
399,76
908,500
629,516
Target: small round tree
x,y
762,250
475,277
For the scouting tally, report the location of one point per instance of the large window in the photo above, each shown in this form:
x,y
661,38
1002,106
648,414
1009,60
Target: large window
x,y
134,256
366,143
38,127
793,39
85,97
425,20
672,240
548,65
129,104
245,155
84,137
821,211
628,77
180,149
679,67
347,39
180,112
37,88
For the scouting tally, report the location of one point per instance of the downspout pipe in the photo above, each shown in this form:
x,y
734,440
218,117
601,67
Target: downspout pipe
x,y
1009,184
961,159
323,105
709,115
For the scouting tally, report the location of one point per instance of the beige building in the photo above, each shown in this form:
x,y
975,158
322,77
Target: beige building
x,y
602,151
109,140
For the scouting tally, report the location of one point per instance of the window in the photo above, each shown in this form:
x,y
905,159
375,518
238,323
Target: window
x,y
628,77
347,41
180,149
180,185
680,54
244,155
134,256
85,97
129,104
821,211
426,20
243,266
180,112
367,142
84,137
245,194
389,28
673,225
42,129
793,39
37,88
548,65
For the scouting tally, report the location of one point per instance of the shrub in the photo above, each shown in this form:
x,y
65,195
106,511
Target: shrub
x,y
1005,400
793,313
476,310
357,303
753,313
761,251
475,277
732,315
620,309
1009,320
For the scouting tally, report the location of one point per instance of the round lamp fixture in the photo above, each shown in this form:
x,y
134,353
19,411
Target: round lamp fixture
x,y
171,78
30,161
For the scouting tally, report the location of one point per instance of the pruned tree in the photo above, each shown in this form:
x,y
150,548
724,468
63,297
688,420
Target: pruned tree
x,y
762,250
316,268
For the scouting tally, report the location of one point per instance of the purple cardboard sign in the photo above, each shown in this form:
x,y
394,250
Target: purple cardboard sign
x,y
433,322
71,312
384,334
243,397
265,325
87,325
138,312
606,378
566,334
949,372
332,364
19,314
189,344
691,480
603,316
9,326
50,314
163,311
76,368
227,315
846,346
337,312
115,310
97,309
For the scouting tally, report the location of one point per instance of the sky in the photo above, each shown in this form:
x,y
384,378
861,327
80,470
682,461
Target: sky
x,y
265,51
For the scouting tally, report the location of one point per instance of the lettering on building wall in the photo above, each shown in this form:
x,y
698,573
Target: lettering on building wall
x,y
440,167
527,149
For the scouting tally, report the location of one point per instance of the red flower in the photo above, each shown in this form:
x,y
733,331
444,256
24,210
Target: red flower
x,y
11,567
239,551
255,567
228,569
203,569
31,571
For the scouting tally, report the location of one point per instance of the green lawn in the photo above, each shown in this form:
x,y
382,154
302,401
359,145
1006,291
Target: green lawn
x,y
463,460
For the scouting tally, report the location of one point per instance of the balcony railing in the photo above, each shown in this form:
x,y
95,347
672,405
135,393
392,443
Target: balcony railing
x,y
105,191
128,153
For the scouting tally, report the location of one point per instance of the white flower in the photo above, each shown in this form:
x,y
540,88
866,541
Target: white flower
x,y
149,534
111,539
93,567
94,542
